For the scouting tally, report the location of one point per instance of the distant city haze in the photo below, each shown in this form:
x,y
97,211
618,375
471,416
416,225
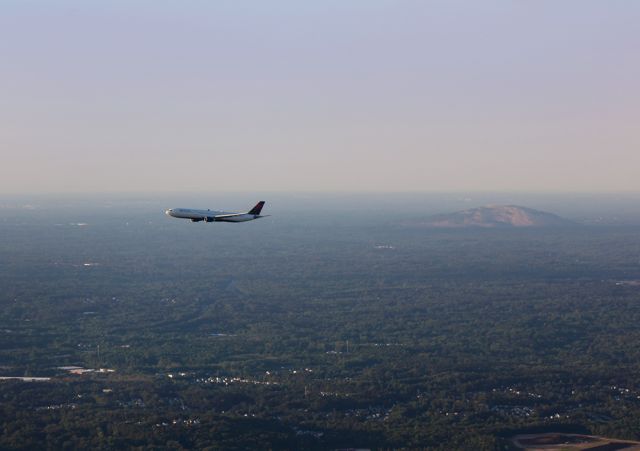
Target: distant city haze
x,y
332,95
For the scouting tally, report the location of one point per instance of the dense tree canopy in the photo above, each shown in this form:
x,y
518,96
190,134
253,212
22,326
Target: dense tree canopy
x,y
313,335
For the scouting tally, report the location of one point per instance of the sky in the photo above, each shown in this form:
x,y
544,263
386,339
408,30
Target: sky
x,y
327,96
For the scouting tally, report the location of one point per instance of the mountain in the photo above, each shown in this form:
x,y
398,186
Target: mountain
x,y
495,216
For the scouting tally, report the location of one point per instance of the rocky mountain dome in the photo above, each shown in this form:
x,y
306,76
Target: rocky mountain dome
x,y
495,216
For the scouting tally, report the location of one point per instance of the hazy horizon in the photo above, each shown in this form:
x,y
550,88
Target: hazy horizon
x,y
322,207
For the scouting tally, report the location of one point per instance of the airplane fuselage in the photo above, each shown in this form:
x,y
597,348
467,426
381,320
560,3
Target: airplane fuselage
x,y
210,215
216,216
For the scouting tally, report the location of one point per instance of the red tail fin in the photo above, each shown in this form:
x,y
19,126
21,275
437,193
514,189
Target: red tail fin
x,y
257,209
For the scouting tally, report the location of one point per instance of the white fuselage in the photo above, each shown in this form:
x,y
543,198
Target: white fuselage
x,y
210,215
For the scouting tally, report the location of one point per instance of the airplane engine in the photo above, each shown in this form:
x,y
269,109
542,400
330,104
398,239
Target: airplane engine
x,y
209,219
195,220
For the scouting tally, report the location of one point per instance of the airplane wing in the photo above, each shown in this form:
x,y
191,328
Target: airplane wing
x,y
232,215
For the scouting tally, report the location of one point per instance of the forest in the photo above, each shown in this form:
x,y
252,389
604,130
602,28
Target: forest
x,y
332,329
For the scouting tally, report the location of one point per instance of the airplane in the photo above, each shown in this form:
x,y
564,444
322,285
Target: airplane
x,y
216,216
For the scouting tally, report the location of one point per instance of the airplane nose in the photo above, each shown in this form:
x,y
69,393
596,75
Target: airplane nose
x,y
168,212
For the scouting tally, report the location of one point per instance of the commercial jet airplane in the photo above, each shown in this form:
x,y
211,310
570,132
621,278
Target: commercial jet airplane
x,y
216,216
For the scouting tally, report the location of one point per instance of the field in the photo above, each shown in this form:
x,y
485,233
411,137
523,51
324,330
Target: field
x,y
568,442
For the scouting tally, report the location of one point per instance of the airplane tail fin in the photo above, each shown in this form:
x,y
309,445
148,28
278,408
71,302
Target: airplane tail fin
x,y
257,209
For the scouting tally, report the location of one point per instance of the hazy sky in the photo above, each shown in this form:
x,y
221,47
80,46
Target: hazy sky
x,y
320,95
